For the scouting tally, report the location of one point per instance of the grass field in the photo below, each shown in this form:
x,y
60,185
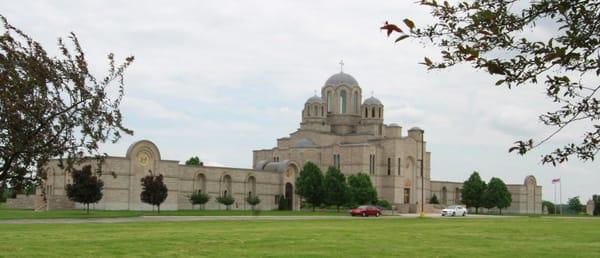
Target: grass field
x,y
30,214
452,237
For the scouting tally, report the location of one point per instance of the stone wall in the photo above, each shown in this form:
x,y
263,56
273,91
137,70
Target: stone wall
x,y
21,202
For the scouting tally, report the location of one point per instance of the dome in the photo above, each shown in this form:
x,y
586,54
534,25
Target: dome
x,y
341,78
315,99
372,101
416,129
394,125
303,143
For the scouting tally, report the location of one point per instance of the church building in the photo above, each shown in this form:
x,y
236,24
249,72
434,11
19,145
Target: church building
x,y
337,129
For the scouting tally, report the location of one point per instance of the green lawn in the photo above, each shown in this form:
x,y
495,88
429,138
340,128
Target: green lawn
x,y
30,214
506,237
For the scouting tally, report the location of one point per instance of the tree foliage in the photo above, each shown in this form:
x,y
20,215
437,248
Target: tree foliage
x,y
154,190
309,184
575,204
550,207
86,187
596,199
496,195
253,200
434,200
336,188
472,191
498,37
226,200
199,197
53,107
361,189
194,161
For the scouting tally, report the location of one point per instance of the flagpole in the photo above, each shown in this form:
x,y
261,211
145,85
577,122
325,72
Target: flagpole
x,y
560,194
555,203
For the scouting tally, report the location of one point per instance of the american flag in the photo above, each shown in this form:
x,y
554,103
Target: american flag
x,y
556,180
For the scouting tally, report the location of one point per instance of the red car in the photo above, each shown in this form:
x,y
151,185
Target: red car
x,y
366,211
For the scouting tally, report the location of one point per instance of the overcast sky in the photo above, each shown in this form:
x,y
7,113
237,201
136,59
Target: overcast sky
x,y
218,79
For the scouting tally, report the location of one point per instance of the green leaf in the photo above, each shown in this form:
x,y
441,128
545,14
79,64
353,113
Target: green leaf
x,y
499,82
401,38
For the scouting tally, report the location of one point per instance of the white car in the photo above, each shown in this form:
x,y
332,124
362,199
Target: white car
x,y
454,210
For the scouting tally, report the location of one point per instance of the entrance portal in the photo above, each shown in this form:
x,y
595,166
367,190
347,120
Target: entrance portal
x,y
289,196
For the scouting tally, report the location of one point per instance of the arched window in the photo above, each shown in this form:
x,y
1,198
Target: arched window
x,y
355,102
373,112
316,111
379,112
343,102
444,196
200,183
251,186
226,185
329,102
322,113
366,113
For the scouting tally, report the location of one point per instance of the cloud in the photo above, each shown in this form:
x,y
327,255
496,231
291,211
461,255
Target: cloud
x,y
219,79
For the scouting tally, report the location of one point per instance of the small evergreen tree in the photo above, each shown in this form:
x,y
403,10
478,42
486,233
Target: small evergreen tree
x,y
434,200
253,200
596,199
154,190
472,191
86,188
361,189
336,188
226,200
200,198
309,184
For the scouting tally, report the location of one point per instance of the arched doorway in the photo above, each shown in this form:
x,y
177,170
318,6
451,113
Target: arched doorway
x,y
289,195
457,196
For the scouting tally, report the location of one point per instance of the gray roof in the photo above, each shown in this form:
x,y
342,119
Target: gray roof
x,y
303,143
341,78
315,99
394,125
416,129
372,101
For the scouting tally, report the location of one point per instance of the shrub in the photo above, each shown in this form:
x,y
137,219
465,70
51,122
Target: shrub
x,y
383,203
226,200
282,203
253,200
199,197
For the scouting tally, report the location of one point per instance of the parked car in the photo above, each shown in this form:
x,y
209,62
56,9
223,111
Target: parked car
x,y
365,211
454,210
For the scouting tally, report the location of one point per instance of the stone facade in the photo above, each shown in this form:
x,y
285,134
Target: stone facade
x,y
122,182
338,129
21,202
589,207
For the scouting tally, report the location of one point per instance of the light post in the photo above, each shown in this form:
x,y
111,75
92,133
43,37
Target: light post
x,y
422,215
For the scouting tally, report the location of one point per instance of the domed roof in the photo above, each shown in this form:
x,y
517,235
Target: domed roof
x,y
415,129
341,78
394,125
315,99
372,101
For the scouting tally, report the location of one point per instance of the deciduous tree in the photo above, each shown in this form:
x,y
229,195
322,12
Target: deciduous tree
x,y
154,190
309,184
362,190
336,188
519,43
194,161
199,197
86,187
472,191
226,200
52,106
496,195
253,200
575,204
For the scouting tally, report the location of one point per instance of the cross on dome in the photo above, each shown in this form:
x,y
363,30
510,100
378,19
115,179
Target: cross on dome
x,y
342,66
